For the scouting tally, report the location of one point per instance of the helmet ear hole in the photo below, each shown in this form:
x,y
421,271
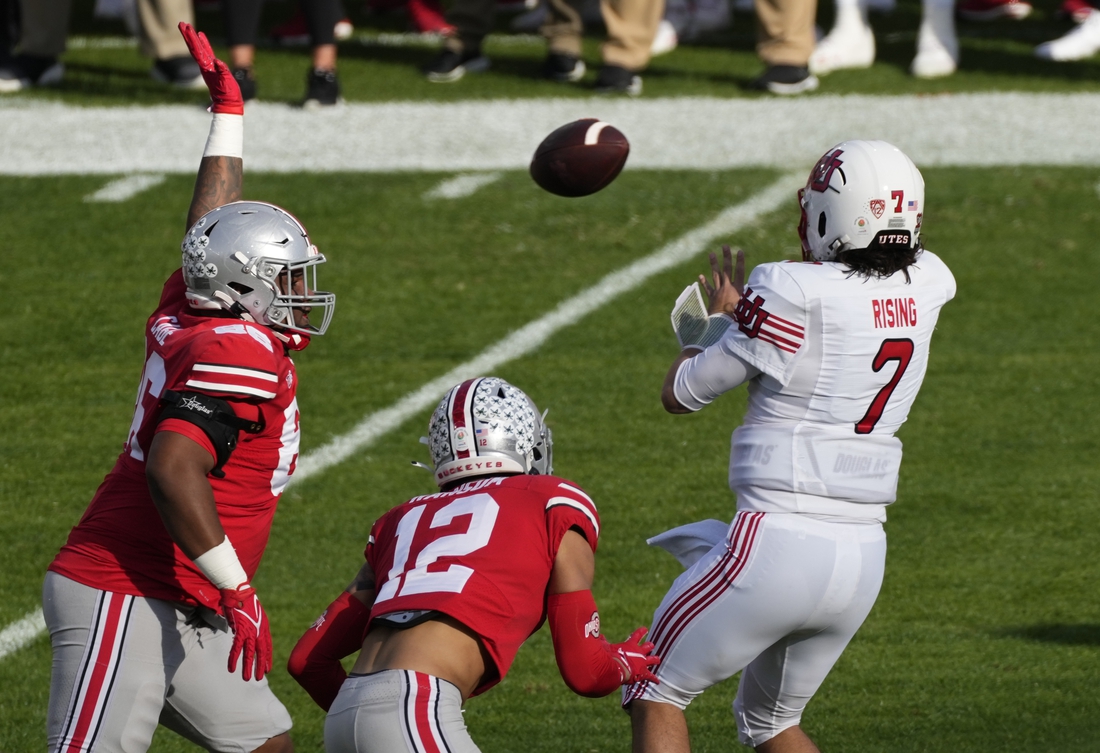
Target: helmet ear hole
x,y
821,222
241,289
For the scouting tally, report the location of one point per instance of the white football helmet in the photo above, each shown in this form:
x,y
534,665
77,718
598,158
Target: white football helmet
x,y
859,192
243,257
485,426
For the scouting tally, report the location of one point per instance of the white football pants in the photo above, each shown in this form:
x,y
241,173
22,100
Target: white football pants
x,y
780,597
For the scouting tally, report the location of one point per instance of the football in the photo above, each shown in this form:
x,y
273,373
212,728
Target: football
x,y
580,158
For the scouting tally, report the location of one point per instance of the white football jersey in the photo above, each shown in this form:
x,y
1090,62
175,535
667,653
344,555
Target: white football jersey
x,y
841,359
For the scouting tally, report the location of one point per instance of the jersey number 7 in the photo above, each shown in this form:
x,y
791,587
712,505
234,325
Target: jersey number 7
x,y
900,350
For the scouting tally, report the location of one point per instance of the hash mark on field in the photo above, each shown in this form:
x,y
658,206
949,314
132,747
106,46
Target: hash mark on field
x,y
462,186
521,342
532,335
21,632
125,188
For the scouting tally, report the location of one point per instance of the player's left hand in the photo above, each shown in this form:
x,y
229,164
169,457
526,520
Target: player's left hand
x,y
635,659
728,282
225,92
251,633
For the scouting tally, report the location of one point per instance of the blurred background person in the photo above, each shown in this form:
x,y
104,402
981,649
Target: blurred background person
x,y
851,41
242,23
631,27
1083,41
45,26
784,41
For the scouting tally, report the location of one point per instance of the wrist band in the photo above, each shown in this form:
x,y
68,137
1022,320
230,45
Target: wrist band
x,y
226,137
221,566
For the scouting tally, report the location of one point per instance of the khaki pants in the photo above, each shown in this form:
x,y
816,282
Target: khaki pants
x,y
785,31
46,26
631,26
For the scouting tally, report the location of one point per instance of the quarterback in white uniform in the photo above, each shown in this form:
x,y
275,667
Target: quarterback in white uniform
x,y
834,349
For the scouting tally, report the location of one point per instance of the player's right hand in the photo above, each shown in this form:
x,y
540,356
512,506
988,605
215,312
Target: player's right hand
x,y
729,283
635,659
225,92
251,633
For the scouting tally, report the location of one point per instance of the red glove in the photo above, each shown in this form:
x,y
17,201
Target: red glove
x,y
251,633
225,93
635,658
590,665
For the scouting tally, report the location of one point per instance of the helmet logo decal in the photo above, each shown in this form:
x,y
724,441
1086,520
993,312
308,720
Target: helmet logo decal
x,y
878,206
822,174
861,225
460,439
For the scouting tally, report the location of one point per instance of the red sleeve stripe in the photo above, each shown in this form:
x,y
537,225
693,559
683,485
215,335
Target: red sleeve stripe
x,y
240,389
780,342
785,326
217,368
576,505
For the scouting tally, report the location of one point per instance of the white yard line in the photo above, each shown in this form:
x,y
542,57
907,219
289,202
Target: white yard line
x,y
21,632
1005,128
521,342
531,336
462,186
125,188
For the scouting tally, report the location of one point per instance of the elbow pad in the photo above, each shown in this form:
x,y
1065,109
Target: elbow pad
x,y
216,419
585,658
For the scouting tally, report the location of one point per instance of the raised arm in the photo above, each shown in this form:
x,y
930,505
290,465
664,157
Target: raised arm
x,y
221,171
722,298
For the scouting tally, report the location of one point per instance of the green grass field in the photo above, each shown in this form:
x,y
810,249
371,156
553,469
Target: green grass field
x,y
987,633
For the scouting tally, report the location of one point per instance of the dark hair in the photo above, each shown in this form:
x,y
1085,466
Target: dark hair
x,y
879,261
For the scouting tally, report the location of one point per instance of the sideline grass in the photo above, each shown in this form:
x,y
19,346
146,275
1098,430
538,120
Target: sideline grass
x,y
986,635
995,56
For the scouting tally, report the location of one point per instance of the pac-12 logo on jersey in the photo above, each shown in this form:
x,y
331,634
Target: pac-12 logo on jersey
x,y
822,174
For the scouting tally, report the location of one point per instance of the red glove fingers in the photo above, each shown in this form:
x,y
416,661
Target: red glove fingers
x,y
635,658
251,633
225,93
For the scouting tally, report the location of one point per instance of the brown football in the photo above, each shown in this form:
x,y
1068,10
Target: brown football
x,y
580,158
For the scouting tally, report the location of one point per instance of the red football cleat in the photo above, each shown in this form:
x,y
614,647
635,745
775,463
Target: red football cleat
x,y
991,10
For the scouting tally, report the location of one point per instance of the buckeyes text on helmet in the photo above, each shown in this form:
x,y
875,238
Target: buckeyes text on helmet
x,y
859,193
245,257
486,426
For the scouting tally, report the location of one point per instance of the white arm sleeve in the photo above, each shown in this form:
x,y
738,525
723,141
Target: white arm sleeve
x,y
704,377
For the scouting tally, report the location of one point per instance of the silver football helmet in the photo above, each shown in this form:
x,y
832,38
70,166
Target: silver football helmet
x,y
485,426
244,257
859,192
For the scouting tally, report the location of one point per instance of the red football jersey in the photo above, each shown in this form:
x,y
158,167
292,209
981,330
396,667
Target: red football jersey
x,y
120,544
481,553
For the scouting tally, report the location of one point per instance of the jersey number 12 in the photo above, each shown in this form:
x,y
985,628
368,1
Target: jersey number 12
x,y
482,510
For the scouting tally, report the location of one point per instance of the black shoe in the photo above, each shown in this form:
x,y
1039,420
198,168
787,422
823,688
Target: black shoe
x,y
786,79
246,79
613,79
450,66
25,71
182,72
564,68
322,90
